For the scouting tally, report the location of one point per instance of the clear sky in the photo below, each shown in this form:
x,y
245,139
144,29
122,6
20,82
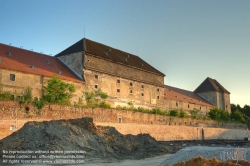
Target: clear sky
x,y
188,40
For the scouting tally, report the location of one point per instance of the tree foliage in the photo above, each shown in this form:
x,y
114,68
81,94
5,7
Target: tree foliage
x,y
219,115
92,99
57,92
5,95
194,113
174,113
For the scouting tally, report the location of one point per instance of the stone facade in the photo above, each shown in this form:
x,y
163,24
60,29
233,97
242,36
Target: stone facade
x,y
122,82
90,66
215,93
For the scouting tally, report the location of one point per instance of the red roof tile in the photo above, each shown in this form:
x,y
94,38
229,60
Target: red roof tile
x,y
22,60
172,93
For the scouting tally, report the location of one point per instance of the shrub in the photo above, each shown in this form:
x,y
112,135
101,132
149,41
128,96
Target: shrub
x,y
174,113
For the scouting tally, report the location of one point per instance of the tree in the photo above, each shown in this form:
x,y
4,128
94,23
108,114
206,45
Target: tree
x,y
57,92
214,114
183,114
5,95
174,113
27,96
238,116
38,103
194,113
92,99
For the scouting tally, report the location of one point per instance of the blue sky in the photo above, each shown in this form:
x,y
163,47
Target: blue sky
x,y
188,40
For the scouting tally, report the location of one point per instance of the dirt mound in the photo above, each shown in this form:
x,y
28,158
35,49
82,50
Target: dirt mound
x,y
82,134
201,161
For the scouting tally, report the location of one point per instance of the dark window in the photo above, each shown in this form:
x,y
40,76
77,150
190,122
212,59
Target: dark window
x,y
158,97
119,120
200,108
118,81
188,105
118,90
131,91
131,84
19,98
176,104
12,77
158,90
142,86
96,77
96,86
142,94
226,106
41,79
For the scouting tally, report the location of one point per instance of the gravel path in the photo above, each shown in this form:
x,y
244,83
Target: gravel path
x,y
221,153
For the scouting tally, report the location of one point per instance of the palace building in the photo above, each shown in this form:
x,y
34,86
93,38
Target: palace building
x,y
123,76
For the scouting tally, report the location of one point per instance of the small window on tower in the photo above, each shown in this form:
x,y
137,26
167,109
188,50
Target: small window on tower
x,y
131,84
158,90
118,90
118,81
96,77
158,97
96,86
142,86
142,94
131,91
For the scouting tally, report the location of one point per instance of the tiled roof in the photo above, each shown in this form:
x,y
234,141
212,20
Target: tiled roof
x,y
107,52
210,84
176,94
17,59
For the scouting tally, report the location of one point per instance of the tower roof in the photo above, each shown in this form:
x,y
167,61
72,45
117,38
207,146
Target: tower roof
x,y
210,84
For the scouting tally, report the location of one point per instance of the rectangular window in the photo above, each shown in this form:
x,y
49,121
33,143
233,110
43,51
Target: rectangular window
x,y
142,86
12,77
131,84
118,81
118,90
19,98
96,77
131,91
96,86
142,94
41,79
158,90
158,97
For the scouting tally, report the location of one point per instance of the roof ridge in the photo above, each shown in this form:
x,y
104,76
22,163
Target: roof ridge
x,y
25,49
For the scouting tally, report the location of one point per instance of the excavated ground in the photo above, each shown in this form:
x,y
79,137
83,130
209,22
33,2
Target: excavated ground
x,y
81,134
107,145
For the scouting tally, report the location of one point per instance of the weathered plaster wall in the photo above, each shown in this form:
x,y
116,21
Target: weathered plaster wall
x,y
127,122
122,90
119,70
172,104
36,82
74,61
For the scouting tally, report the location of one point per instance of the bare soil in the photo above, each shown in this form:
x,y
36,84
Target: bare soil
x,y
99,142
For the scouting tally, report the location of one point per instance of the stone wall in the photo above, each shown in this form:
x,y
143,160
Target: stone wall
x,y
127,122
